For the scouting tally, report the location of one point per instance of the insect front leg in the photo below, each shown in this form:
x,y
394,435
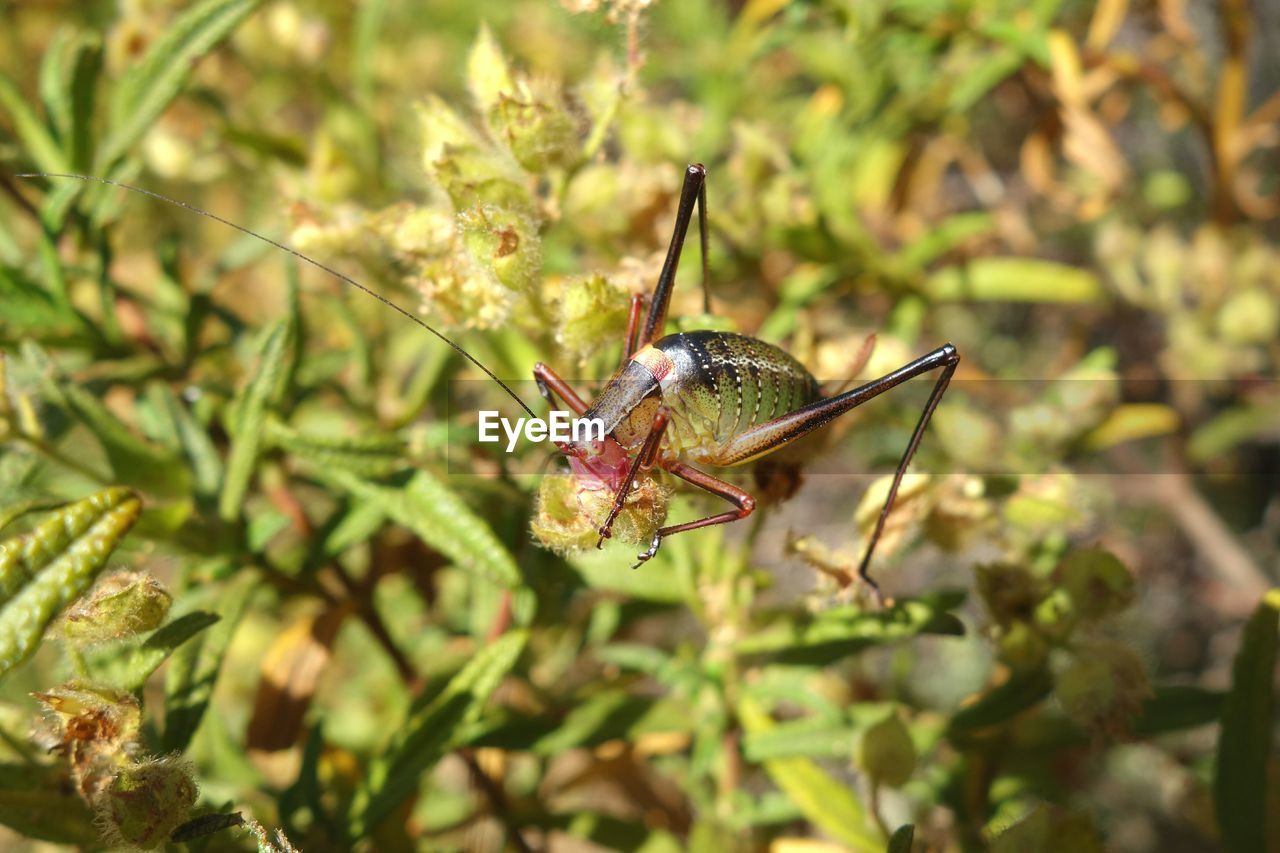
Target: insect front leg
x,y
746,505
550,383
644,459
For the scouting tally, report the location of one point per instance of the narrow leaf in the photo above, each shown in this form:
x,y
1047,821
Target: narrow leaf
x,y
128,666
1014,280
440,519
45,570
373,455
900,841
152,83
1002,703
133,460
829,804
193,671
35,802
40,144
249,421
1245,743
846,630
429,732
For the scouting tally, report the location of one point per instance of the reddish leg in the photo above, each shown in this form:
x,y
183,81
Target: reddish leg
x,y
633,326
549,383
745,503
643,459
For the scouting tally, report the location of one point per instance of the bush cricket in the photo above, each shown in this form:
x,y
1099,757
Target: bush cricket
x,y
685,399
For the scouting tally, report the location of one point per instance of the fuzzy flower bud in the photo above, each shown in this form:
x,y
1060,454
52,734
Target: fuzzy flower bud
x,y
1009,591
569,516
146,802
1103,689
122,605
539,131
488,75
505,242
1097,583
885,752
96,728
593,313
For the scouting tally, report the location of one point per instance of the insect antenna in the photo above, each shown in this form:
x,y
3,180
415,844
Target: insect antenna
x,y
299,255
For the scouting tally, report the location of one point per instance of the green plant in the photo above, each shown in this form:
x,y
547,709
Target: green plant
x,y
320,561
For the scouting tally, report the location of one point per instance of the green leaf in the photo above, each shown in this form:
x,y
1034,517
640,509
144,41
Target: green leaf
x,y
45,570
430,732
900,841
133,460
36,803
829,804
807,738
150,84
193,670
249,420
1014,280
69,98
40,144
32,311
842,631
129,667
1245,742
996,706
439,518
201,455
374,455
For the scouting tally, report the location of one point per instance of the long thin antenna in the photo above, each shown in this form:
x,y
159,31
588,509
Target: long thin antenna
x,y
292,251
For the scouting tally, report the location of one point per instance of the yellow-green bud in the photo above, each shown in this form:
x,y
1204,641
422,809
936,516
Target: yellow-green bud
x,y
1249,317
1009,591
885,752
146,802
1103,689
541,134
488,76
1022,647
1056,616
121,605
1097,583
569,516
593,314
505,242
83,712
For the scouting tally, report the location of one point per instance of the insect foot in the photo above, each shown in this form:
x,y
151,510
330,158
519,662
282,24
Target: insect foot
x,y
641,559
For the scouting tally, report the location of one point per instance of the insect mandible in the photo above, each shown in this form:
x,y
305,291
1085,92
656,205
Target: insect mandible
x,y
686,399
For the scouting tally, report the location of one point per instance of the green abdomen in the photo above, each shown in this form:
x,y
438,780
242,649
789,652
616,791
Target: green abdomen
x,y
720,385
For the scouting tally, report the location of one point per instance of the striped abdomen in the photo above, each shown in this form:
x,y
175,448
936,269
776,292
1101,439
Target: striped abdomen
x,y
718,385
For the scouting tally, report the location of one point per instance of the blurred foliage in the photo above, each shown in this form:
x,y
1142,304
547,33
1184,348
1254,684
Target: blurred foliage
x,y
335,628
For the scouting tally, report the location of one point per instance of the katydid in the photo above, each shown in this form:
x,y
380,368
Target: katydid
x,y
685,399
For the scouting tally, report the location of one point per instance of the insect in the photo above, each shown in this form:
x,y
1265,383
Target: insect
x,y
689,399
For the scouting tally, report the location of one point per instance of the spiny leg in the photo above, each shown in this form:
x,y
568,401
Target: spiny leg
x,y
549,383
746,505
693,192
648,452
935,397
773,434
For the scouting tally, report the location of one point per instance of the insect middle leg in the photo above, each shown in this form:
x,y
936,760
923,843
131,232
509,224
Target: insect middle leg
x,y
746,505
